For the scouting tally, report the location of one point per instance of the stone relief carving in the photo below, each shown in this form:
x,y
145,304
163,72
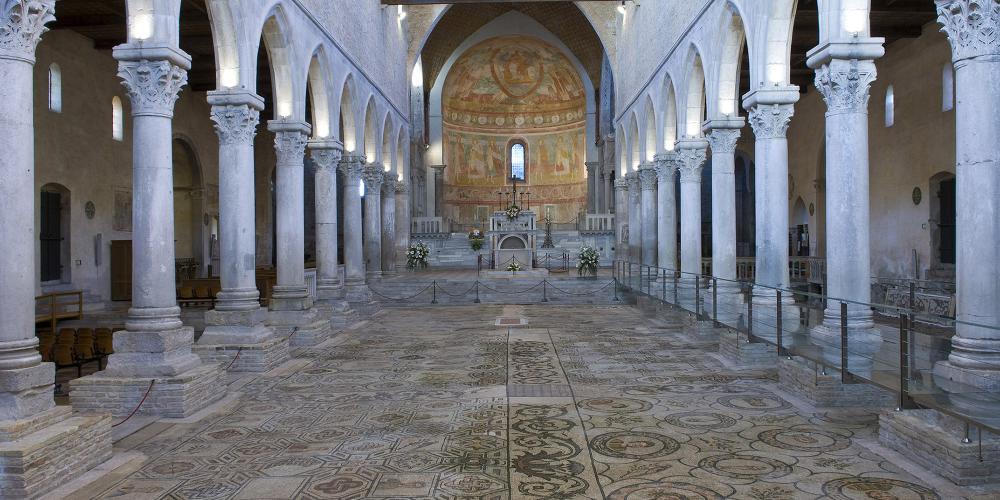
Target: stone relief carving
x,y
845,84
235,124
723,140
326,158
290,146
152,86
770,121
972,26
23,25
690,162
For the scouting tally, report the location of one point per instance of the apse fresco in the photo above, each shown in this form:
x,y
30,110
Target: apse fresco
x,y
514,88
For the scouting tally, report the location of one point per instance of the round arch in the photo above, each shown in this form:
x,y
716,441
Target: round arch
x,y
730,62
319,94
669,111
274,33
371,131
650,130
694,98
347,129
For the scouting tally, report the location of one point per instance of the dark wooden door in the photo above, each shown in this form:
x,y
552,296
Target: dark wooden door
x,y
946,224
50,234
121,270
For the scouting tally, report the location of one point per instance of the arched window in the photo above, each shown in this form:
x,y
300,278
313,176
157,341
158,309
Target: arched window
x,y
517,152
55,88
890,107
948,87
117,119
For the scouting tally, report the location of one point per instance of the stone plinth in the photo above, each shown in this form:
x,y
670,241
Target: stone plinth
x,y
803,379
229,332
735,348
177,396
40,453
301,328
934,441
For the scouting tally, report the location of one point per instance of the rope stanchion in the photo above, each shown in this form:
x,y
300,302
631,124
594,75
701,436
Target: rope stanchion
x,y
477,292
386,297
237,356
545,297
143,400
592,292
460,294
434,292
514,292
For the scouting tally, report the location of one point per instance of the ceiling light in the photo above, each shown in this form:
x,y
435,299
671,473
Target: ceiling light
x,y
621,8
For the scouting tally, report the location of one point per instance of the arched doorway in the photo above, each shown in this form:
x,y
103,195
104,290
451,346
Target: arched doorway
x,y
54,235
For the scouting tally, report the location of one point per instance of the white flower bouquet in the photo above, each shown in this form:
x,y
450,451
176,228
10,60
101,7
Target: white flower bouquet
x,y
514,266
416,256
513,212
589,260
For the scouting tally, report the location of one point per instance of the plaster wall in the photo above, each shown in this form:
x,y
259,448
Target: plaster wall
x,y
75,148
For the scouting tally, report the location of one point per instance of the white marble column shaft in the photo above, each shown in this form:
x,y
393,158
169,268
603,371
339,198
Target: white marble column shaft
x,y
666,211
290,139
722,136
389,223
647,187
845,84
326,155
593,185
691,155
354,261
25,382
403,222
975,354
621,219
373,176
634,217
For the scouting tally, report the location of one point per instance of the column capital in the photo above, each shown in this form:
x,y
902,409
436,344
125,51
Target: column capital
x,y
22,26
845,84
647,176
152,85
290,139
691,155
666,166
326,153
373,176
592,167
723,140
235,123
351,166
621,184
770,121
389,183
632,178
402,187
972,26
438,169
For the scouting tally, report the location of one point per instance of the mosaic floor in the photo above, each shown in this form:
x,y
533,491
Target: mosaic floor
x,y
587,402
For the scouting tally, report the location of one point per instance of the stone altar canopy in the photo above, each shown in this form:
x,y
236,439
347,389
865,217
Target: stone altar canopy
x,y
513,238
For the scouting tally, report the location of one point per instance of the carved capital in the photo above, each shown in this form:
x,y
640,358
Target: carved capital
x,y
647,178
632,178
351,166
325,157
290,146
373,176
235,123
972,26
22,26
723,140
152,86
621,184
389,183
402,187
690,162
770,121
845,83
666,167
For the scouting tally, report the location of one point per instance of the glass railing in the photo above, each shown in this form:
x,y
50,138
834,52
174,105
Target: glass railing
x,y
900,349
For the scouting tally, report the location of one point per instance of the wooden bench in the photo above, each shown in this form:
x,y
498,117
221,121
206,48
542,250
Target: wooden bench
x,y
52,307
201,292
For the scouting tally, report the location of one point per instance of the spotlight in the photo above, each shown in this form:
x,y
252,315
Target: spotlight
x,y
621,8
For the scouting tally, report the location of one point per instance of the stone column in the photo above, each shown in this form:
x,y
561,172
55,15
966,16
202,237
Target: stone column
x,y
844,73
691,155
666,211
389,223
43,444
355,288
647,186
722,136
621,219
770,112
238,320
599,182
373,178
634,217
155,344
609,189
438,182
975,355
402,222
326,155
291,308
593,185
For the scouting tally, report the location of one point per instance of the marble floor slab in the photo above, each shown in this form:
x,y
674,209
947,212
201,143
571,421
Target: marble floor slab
x,y
588,402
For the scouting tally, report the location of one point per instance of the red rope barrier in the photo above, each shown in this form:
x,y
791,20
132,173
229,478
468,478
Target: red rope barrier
x,y
237,356
151,382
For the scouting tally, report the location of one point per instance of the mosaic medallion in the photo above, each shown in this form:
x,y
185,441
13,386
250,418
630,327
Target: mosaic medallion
x,y
857,488
804,440
700,420
665,490
745,467
636,445
614,405
753,402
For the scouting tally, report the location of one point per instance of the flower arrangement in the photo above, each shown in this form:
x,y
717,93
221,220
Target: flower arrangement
x,y
476,239
416,256
589,260
513,266
513,212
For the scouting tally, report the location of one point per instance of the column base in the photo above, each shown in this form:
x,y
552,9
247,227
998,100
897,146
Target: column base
x,y
26,392
241,341
357,293
41,453
290,298
986,379
863,343
177,396
152,354
935,441
300,328
735,348
807,381
329,292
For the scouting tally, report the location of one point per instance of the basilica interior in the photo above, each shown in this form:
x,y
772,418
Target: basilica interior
x,y
485,249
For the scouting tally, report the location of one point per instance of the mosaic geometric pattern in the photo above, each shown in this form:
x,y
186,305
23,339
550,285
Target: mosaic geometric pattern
x,y
592,402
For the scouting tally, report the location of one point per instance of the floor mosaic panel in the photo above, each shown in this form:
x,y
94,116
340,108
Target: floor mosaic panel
x,y
588,403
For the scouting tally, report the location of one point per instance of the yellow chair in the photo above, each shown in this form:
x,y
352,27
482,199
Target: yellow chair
x,y
66,336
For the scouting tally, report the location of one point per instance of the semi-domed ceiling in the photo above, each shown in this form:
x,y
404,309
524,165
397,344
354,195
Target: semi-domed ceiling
x,y
563,19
